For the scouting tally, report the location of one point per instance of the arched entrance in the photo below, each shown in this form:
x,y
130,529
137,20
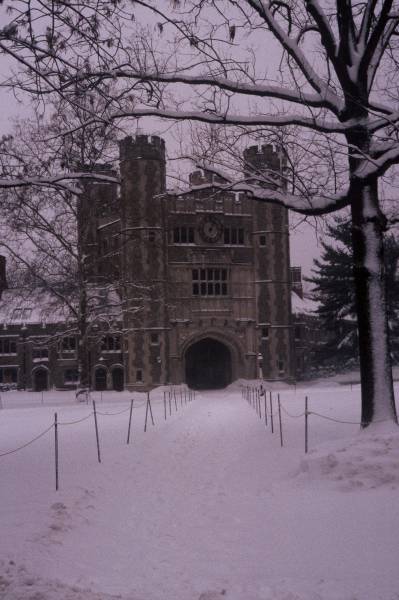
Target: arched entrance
x,y
40,380
100,379
208,365
117,379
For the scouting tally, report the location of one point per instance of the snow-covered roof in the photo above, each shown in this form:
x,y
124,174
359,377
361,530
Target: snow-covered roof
x,y
303,306
19,306
22,306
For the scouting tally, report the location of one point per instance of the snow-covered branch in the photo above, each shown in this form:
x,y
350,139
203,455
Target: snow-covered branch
x,y
324,99
260,120
58,181
303,204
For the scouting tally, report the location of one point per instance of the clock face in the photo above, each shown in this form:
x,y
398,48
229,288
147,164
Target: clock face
x,y
210,229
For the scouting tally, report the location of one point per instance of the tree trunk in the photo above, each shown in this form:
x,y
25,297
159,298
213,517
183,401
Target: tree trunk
x,y
368,225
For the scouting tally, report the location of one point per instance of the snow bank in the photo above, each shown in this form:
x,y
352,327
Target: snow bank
x,y
367,462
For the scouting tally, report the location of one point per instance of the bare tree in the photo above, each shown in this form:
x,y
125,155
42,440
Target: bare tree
x,y
330,73
45,232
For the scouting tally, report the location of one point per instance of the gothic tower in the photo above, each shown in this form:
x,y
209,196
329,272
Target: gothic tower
x,y
265,165
98,228
144,256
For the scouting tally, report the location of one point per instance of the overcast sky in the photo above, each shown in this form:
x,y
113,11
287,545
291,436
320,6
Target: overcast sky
x,y
304,236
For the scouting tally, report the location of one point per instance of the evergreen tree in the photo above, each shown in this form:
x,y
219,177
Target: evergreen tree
x,y
333,289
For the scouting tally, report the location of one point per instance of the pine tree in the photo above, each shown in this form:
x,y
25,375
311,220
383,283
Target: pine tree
x,y
333,289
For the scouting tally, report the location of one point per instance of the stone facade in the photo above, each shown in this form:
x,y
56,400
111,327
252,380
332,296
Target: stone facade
x,y
39,344
204,277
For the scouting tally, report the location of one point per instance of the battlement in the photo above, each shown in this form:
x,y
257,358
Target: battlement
x,y
203,177
265,156
146,147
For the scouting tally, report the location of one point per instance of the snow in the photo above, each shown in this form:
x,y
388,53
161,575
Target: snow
x,y
260,90
60,181
303,306
205,505
40,306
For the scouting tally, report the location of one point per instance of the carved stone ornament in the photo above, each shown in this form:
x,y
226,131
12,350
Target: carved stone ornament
x,y
210,229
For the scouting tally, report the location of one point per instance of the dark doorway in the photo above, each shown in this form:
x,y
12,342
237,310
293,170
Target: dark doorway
x,y
117,379
208,365
100,379
40,380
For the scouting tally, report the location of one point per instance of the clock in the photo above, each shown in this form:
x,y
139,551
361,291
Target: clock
x,y
210,229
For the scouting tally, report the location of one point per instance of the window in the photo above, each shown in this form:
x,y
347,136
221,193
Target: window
x,y
209,282
40,352
154,339
151,236
297,332
181,205
234,236
219,204
71,376
111,343
199,204
237,203
183,235
8,346
68,345
265,333
139,375
280,365
262,240
296,274
9,375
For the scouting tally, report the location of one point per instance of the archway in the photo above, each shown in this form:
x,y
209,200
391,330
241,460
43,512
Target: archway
x,y
40,380
100,379
208,365
117,379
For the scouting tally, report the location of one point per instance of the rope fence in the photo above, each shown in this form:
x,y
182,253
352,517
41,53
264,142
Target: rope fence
x,y
27,443
253,394
180,396
107,414
75,422
266,403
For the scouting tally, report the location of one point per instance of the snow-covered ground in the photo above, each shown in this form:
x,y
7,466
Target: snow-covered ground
x,y
205,505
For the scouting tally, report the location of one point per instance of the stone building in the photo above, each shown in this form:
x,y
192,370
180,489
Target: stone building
x,y
204,277
203,280
39,344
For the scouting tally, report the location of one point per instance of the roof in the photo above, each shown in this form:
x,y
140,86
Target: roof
x,y
21,306
303,306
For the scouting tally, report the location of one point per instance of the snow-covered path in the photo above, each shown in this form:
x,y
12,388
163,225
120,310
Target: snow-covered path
x,y
205,502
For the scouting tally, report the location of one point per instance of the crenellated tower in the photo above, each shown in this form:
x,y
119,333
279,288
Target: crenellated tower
x,y
265,165
98,227
144,259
